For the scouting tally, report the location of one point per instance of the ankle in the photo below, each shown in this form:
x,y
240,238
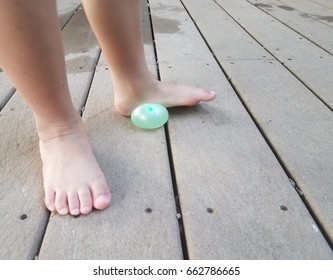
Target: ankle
x,y
50,130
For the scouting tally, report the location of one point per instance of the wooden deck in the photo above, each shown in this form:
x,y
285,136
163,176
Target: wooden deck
x,y
247,176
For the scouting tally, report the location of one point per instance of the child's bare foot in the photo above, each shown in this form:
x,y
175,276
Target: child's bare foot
x,y
73,181
128,97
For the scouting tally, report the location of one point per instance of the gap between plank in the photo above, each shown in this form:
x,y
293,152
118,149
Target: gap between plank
x,y
281,62
171,164
73,13
91,78
6,99
40,243
290,26
269,143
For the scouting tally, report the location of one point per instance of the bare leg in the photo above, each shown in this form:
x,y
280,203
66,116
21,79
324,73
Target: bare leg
x,y
31,53
117,25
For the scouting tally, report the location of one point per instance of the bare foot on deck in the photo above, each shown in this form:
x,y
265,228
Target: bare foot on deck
x,y
73,180
129,96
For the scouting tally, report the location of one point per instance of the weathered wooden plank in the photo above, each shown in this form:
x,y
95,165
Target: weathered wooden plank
x,y
325,3
141,223
311,64
319,12
22,213
21,178
230,184
314,30
66,9
296,123
6,89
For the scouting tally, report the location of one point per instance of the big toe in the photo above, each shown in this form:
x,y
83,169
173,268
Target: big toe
x,y
206,95
101,194
102,201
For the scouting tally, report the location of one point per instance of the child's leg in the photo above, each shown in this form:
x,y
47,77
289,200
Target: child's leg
x,y
117,25
31,53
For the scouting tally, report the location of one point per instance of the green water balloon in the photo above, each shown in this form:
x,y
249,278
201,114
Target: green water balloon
x,y
150,116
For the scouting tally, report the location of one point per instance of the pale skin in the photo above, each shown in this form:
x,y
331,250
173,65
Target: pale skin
x,y
32,55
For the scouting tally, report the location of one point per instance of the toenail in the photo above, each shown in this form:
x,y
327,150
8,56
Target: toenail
x,y
102,199
85,210
63,211
75,211
51,209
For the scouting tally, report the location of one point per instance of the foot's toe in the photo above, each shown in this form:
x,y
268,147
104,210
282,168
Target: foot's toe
x,y
202,95
74,204
61,203
85,201
102,201
210,95
186,95
49,200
